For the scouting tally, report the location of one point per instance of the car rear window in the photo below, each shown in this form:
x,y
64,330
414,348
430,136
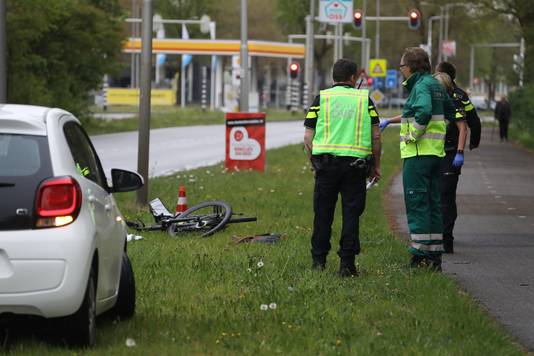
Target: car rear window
x,y
19,155
24,164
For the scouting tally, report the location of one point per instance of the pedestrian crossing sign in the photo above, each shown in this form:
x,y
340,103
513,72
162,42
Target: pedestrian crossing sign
x,y
377,67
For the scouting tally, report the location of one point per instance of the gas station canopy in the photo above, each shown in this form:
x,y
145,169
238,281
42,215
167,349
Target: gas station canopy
x,y
218,47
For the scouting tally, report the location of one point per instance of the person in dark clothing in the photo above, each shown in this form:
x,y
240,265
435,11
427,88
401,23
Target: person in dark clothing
x,y
503,113
449,173
341,134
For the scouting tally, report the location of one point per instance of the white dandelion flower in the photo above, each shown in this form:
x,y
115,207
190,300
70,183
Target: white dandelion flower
x,y
130,342
260,264
272,306
264,307
249,269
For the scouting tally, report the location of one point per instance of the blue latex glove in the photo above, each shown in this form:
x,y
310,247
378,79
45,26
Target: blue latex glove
x,y
458,160
383,124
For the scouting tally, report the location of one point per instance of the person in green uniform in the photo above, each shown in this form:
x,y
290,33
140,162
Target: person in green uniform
x,y
422,139
341,135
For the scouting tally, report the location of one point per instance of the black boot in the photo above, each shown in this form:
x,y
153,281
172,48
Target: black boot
x,y
319,263
347,267
435,262
448,244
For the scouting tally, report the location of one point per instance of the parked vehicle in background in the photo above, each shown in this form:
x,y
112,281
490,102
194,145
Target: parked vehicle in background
x,y
62,236
481,103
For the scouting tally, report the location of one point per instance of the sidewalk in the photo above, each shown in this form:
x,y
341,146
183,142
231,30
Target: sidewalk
x,y
494,234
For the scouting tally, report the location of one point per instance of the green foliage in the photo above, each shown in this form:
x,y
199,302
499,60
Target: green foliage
x,y
58,51
522,122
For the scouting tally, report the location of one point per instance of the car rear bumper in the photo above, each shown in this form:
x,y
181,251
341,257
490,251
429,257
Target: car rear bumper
x,y
44,272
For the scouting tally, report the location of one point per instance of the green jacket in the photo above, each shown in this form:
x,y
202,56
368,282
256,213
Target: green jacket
x,y
423,124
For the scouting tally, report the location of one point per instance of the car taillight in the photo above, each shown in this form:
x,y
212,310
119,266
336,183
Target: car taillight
x,y
58,202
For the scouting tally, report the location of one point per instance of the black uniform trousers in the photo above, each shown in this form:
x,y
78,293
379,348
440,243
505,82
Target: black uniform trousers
x,y
449,183
503,129
334,175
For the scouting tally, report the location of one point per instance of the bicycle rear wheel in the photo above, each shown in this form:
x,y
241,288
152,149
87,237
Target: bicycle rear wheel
x,y
209,217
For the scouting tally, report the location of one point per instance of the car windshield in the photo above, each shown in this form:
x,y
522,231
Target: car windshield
x,y
19,155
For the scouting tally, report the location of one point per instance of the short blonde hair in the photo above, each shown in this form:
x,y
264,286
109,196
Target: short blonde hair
x,y
445,80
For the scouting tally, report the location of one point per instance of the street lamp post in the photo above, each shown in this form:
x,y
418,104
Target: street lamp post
x,y
3,53
144,101
308,74
244,94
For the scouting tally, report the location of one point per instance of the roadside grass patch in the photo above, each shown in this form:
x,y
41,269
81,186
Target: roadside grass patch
x,y
205,295
169,116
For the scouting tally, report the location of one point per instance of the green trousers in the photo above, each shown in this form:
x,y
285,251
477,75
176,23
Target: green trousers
x,y
422,193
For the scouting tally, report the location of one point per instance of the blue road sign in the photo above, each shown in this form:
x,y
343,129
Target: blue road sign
x,y
391,78
378,82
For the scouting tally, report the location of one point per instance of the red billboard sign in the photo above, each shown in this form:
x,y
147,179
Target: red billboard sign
x,y
245,141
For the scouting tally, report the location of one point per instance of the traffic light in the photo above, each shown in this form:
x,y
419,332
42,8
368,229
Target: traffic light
x,y
414,20
369,82
357,18
294,70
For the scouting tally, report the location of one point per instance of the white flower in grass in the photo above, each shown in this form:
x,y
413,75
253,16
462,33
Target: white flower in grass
x,y
260,264
249,269
264,307
272,306
130,342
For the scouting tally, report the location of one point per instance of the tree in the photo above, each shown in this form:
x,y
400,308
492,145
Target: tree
x,y
523,12
58,51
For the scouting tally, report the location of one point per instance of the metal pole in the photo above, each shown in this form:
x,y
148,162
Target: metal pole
x,y
341,40
377,39
308,74
522,56
144,101
472,67
446,30
429,38
182,77
336,43
363,62
3,53
244,95
440,41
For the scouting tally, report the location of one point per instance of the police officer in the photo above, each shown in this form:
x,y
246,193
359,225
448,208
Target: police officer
x,y
422,140
341,136
455,153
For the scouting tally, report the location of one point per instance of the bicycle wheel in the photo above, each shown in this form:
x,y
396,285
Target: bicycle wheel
x,y
209,216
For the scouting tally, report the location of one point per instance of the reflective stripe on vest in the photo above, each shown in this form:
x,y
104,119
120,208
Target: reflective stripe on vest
x,y
344,125
416,139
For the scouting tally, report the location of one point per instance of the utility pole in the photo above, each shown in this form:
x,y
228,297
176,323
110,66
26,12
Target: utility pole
x,y
3,53
308,74
363,62
244,94
144,101
377,38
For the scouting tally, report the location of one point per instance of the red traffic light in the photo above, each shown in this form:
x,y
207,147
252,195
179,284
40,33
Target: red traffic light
x,y
357,18
294,70
370,81
414,19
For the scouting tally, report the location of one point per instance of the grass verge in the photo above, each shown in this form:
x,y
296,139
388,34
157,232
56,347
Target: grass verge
x,y
172,116
203,296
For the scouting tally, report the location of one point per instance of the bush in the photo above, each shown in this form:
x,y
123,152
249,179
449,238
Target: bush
x,y
522,102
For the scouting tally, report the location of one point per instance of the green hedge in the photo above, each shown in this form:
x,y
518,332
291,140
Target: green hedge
x,y
522,122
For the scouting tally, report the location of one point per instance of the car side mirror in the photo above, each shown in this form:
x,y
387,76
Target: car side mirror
x,y
125,181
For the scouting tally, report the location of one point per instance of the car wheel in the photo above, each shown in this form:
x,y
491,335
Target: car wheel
x,y
125,306
81,326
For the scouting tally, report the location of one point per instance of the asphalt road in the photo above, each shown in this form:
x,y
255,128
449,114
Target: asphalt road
x,y
494,234
183,148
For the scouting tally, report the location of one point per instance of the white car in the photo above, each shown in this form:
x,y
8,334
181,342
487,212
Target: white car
x,y
62,236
